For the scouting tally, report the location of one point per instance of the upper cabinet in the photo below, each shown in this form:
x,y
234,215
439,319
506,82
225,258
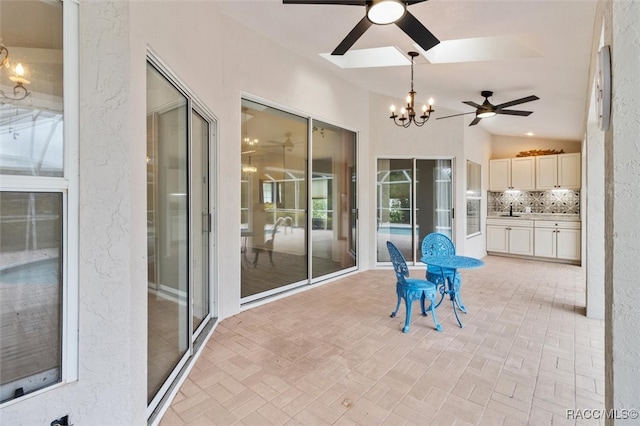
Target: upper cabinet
x,y
558,171
543,172
512,173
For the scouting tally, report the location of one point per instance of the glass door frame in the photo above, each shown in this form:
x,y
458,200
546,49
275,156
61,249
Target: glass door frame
x,y
245,302
310,159
169,387
414,189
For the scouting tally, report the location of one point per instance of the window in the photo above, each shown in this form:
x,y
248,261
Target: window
x,y
473,198
38,207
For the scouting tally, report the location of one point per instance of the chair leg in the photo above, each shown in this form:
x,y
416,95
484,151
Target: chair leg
x,y
393,314
255,258
408,303
271,257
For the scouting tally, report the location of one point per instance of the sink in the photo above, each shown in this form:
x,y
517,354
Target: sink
x,y
507,215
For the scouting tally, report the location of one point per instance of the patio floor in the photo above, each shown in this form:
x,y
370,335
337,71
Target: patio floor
x,y
333,356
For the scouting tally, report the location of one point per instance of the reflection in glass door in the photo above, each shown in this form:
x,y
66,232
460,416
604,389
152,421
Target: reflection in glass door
x,y
414,198
274,200
333,165
284,192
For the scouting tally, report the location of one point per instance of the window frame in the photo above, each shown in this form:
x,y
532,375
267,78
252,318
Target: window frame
x,y
473,195
68,186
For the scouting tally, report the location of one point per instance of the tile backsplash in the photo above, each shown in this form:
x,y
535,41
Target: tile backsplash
x,y
539,201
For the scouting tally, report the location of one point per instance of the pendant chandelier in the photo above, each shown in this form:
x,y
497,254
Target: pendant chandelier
x,y
19,91
408,113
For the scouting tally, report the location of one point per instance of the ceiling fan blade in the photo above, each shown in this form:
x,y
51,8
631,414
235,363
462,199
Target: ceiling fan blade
x,y
418,32
455,115
352,37
410,2
513,112
473,104
338,2
517,102
475,121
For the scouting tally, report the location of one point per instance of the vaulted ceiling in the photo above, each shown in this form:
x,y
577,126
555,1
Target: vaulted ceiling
x,y
514,48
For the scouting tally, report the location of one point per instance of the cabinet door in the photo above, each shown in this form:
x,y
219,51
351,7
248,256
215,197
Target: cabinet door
x,y
521,241
523,173
500,174
569,170
547,172
568,244
497,239
545,242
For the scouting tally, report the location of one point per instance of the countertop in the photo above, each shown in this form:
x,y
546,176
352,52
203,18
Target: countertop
x,y
559,217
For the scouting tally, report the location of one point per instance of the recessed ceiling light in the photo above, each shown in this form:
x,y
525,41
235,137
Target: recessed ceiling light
x,y
530,133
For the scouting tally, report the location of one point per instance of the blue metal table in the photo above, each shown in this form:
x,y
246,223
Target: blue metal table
x,y
449,288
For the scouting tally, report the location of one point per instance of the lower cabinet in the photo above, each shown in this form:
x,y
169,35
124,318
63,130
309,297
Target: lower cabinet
x,y
538,238
559,240
510,236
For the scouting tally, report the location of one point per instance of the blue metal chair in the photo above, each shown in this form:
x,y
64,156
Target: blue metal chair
x,y
411,289
436,244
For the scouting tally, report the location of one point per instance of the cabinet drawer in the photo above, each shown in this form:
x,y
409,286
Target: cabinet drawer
x,y
558,224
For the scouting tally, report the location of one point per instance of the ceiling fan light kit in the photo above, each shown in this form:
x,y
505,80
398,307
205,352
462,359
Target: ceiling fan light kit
x,y
383,12
487,109
380,12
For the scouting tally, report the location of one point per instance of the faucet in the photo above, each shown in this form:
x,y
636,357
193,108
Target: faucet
x,y
510,209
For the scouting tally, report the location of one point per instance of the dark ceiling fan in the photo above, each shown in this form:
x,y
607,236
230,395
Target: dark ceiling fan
x,y
380,12
487,109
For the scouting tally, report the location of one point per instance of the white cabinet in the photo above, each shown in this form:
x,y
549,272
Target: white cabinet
x,y
558,171
512,173
510,236
558,240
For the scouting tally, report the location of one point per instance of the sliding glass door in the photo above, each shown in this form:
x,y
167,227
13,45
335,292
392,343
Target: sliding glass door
x,y
414,198
178,228
333,212
298,215
274,200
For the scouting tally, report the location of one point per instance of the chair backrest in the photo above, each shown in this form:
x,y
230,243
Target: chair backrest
x,y
436,244
399,264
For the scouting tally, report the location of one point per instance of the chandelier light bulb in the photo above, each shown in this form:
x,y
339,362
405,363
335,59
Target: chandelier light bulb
x,y
424,108
403,111
430,101
18,78
393,108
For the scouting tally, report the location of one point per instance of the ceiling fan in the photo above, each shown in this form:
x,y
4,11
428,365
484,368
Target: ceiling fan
x,y
487,109
287,144
380,12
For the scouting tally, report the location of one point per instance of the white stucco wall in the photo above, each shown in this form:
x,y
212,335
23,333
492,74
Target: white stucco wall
x,y
593,207
622,174
111,389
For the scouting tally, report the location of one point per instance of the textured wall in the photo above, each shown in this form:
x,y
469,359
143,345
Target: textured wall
x,y
622,165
